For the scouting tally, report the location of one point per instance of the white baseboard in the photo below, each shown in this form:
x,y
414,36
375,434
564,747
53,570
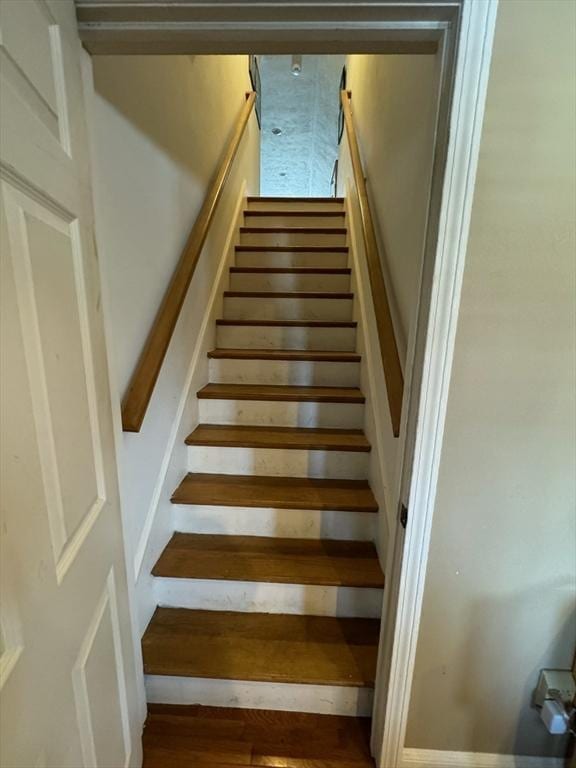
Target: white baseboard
x,y
378,425
248,694
258,597
268,521
435,758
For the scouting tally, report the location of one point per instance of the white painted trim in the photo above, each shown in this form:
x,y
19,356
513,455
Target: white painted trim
x,y
265,597
469,96
381,415
271,521
249,694
107,601
433,758
198,348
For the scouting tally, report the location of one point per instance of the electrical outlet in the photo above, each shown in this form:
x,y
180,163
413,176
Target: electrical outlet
x,y
560,680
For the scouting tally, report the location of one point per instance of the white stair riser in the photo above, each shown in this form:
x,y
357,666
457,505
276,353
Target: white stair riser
x,y
287,309
275,462
254,281
282,413
282,523
292,259
285,337
295,372
292,238
287,697
294,205
294,221
264,597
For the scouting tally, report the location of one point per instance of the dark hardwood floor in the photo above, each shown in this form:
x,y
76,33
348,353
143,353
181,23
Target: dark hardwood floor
x,y
214,737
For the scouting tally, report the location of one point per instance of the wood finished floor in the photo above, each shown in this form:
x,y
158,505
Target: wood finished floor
x,y
264,647
215,737
271,559
277,492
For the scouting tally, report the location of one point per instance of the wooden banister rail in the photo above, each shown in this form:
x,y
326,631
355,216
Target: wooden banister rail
x,y
388,347
143,381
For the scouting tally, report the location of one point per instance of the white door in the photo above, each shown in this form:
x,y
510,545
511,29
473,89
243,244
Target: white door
x,y
69,682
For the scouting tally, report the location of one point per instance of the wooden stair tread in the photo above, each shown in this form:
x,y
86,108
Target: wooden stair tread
x,y
285,354
271,560
346,295
294,230
273,738
275,492
293,323
292,248
263,647
281,392
292,270
296,438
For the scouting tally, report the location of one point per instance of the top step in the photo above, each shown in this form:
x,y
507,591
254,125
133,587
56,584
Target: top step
x,y
318,204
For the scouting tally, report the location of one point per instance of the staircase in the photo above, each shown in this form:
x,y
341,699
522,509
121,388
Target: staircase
x,y
270,591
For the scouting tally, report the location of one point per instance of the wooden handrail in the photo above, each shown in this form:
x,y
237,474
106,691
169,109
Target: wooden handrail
x,y
388,347
146,373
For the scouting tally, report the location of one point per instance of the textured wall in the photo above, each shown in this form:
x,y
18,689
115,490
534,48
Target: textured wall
x,y
299,161
500,586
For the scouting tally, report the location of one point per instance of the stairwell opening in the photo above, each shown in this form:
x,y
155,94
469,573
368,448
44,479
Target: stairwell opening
x,y
267,462
299,110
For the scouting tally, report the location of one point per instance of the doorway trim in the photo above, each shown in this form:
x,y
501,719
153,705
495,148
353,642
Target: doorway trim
x,y
472,69
462,32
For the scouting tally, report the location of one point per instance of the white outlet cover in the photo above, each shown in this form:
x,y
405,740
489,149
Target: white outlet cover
x,y
554,717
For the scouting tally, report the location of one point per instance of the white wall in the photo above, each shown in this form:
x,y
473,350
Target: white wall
x,y
394,104
160,125
500,591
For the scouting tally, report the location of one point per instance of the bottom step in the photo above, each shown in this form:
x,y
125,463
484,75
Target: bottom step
x,y
277,661
198,737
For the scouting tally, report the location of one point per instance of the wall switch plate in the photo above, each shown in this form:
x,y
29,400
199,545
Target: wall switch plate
x,y
560,680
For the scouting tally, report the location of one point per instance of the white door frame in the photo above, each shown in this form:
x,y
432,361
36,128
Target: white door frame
x,y
465,31
467,112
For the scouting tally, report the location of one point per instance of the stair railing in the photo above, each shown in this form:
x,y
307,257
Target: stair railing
x,y
388,346
143,381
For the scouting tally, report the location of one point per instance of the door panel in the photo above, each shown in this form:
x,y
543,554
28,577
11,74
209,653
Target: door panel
x,y
68,676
